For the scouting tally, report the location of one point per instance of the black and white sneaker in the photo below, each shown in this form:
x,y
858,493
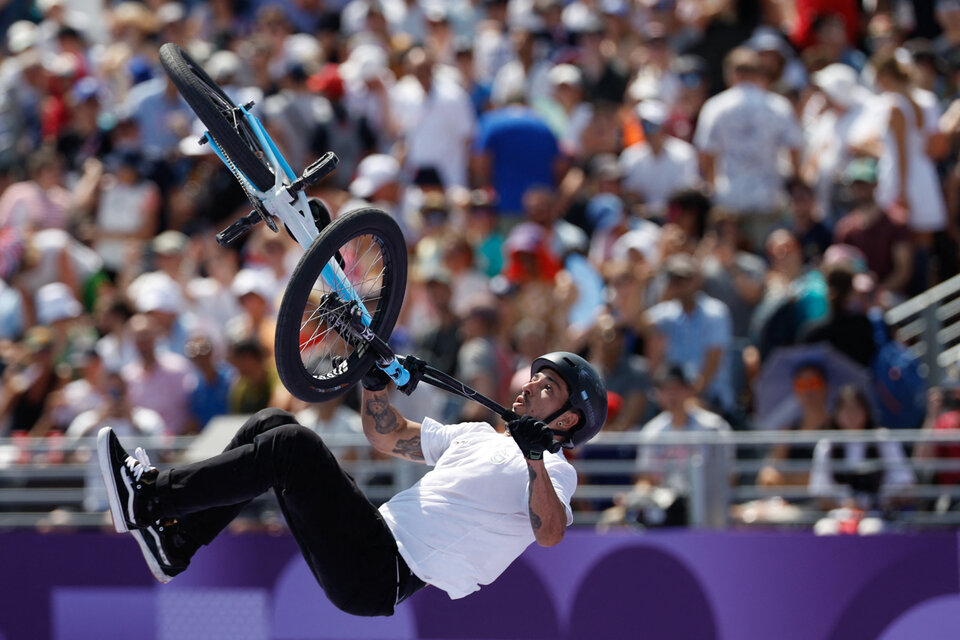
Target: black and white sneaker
x,y
130,482
164,548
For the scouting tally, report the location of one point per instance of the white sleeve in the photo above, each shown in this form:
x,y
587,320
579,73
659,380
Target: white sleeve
x,y
564,479
821,475
897,472
436,437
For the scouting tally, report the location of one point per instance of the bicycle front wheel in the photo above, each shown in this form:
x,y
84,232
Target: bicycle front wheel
x,y
315,362
230,130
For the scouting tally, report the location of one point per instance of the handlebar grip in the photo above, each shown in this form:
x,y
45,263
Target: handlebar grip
x,y
226,237
316,172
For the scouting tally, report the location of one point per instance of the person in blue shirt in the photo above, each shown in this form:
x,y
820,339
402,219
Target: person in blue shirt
x,y
514,150
209,399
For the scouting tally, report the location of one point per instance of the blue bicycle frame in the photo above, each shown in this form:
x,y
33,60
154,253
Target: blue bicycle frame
x,y
295,214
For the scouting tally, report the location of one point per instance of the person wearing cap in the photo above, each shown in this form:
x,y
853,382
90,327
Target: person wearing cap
x,y
828,151
693,330
660,165
885,242
567,112
741,134
434,118
661,493
378,183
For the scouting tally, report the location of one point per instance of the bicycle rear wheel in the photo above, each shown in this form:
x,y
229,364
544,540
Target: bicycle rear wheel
x,y
370,248
216,110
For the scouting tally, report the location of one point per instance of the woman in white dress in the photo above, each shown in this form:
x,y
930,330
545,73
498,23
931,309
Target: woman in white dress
x,y
907,180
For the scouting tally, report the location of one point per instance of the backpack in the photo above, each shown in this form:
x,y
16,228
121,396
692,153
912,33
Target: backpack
x,y
898,386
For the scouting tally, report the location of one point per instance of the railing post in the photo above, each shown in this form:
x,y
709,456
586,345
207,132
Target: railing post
x,y
931,327
698,491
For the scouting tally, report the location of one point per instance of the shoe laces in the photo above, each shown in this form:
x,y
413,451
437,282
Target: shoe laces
x,y
138,463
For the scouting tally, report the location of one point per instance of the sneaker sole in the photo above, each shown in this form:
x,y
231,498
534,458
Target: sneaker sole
x,y
155,567
110,480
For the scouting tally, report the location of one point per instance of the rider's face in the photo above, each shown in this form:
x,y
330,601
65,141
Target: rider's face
x,y
542,395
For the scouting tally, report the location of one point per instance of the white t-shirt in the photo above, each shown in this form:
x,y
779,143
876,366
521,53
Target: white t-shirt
x,y
468,518
656,177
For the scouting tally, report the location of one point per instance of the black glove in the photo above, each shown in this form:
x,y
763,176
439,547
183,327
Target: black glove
x,y
375,379
415,367
533,437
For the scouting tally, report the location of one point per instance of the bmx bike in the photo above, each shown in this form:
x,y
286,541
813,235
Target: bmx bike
x,y
343,299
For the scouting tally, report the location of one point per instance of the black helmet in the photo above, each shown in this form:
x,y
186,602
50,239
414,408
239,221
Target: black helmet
x,y
587,392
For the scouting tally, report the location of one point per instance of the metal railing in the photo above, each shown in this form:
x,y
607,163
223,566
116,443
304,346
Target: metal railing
x,y
929,324
54,482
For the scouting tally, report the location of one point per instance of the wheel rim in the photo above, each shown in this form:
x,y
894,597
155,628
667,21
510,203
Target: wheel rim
x,y
319,344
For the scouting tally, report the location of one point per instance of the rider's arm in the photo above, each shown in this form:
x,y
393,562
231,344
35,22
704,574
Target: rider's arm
x,y
548,515
387,430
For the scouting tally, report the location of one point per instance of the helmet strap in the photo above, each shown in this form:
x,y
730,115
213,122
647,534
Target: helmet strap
x,y
556,414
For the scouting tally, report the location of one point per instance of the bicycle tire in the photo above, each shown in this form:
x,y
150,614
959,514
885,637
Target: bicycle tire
x,y
209,102
305,347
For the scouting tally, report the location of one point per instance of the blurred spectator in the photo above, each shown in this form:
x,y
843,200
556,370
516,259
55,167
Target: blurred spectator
x,y
484,363
942,413
741,134
116,410
661,165
907,183
806,221
434,118
811,393
162,116
623,372
160,380
256,291
40,202
123,207
76,396
884,242
481,226
830,116
730,275
514,150
846,328
29,380
661,495
440,340
253,386
209,398
691,330
857,471
377,183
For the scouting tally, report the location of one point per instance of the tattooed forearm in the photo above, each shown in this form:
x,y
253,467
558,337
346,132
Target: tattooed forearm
x,y
409,448
535,521
385,417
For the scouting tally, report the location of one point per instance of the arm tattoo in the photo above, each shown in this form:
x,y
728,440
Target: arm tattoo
x,y
384,416
535,520
409,448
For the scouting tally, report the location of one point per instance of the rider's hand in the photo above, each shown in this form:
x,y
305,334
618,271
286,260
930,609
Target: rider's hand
x,y
532,436
375,379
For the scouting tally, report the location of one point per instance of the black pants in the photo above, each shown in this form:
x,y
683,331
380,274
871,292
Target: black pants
x,y
342,536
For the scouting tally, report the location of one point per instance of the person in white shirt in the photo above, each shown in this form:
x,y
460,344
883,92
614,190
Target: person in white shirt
x,y
741,134
435,118
857,472
486,499
667,467
660,166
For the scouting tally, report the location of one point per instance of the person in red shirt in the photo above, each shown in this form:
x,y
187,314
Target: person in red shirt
x,y
885,243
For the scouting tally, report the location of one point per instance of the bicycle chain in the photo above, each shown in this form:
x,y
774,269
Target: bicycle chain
x,y
267,218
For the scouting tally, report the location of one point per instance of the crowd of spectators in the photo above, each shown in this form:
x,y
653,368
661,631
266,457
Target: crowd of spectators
x,y
673,188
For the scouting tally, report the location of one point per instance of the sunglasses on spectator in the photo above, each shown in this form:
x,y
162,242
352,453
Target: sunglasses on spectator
x,y
809,383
